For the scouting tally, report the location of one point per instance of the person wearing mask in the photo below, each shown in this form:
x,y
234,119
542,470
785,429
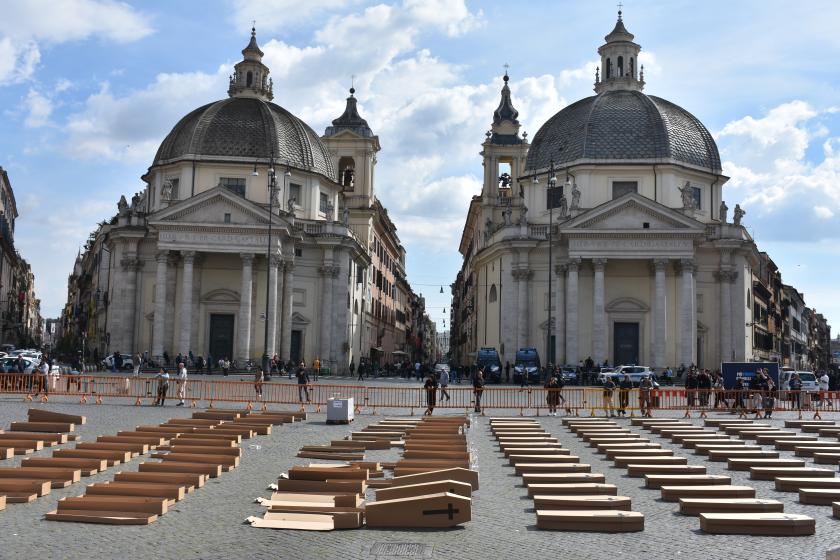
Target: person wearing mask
x,y
182,383
259,377
162,388
478,388
444,384
645,388
607,396
430,386
823,386
624,388
796,390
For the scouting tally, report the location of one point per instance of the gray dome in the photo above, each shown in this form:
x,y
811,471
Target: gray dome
x,y
623,125
246,129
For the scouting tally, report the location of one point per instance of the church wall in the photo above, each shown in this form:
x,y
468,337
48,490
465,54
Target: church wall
x,y
507,309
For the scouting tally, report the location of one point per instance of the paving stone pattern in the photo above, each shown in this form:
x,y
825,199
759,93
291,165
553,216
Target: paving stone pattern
x,y
208,524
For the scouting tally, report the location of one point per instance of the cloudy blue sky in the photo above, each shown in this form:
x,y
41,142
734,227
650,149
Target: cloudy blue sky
x,y
89,88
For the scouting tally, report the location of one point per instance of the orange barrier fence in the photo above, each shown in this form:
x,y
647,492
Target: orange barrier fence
x,y
577,400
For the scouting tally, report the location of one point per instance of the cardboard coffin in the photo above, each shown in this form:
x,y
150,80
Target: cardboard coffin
x,y
103,517
327,499
606,446
210,470
641,469
47,438
561,478
153,490
703,448
770,473
696,506
612,452
542,489
22,447
660,480
157,506
327,486
536,451
433,510
226,462
801,423
458,474
423,489
809,451
824,458
55,474
819,496
599,521
331,456
37,486
523,468
776,524
581,502
113,457
42,427
191,480
151,441
791,444
622,461
718,421
515,459
134,448
738,464
178,447
345,518
769,436
43,415
793,484
216,415
321,473
723,455
693,443
88,467
674,493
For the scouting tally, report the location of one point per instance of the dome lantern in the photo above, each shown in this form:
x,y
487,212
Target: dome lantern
x,y
250,76
619,61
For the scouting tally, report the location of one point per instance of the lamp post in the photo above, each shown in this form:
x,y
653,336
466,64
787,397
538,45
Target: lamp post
x,y
551,184
272,185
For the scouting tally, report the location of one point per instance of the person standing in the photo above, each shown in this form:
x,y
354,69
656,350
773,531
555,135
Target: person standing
x,y
182,382
823,386
353,370
645,387
162,388
624,388
796,390
507,371
225,365
316,367
138,361
607,395
259,377
478,388
302,380
552,395
430,386
444,383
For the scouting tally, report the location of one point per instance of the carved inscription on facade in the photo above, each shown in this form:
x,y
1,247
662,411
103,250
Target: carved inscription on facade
x,y
212,239
618,245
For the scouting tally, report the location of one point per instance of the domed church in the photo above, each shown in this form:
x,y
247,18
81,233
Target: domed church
x,y
252,235
607,236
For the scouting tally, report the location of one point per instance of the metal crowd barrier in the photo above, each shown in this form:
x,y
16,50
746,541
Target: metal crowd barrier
x,y
529,399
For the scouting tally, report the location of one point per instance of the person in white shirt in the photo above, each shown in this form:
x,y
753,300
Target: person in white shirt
x,y
824,389
182,383
444,383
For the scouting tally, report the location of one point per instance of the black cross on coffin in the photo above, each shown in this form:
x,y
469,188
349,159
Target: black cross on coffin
x,y
450,511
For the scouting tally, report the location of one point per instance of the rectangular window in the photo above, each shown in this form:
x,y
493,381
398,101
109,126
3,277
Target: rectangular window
x,y
323,202
298,252
552,198
620,188
235,184
227,218
294,192
697,193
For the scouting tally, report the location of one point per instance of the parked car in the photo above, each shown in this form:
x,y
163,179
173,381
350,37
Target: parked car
x,y
527,366
636,374
488,358
569,374
809,380
127,364
10,365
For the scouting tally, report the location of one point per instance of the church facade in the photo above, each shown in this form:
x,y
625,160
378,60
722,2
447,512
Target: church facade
x,y
607,236
253,236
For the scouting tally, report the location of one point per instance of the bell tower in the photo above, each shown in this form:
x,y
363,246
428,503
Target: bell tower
x,y
619,61
250,76
504,151
353,146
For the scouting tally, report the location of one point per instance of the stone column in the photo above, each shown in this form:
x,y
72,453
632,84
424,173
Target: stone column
x,y
522,276
245,295
725,278
169,312
130,266
271,319
186,301
599,319
659,314
286,323
572,312
687,310
560,314
278,307
328,273
159,329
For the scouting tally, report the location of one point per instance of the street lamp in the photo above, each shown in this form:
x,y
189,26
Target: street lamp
x,y
272,186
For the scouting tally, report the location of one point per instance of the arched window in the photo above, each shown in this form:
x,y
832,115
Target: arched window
x,y
249,79
493,295
347,172
632,68
609,68
620,66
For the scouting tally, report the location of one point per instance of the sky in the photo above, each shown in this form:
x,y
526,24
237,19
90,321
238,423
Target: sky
x,y
89,88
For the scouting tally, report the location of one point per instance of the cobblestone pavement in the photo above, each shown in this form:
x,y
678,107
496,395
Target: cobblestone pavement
x,y
208,523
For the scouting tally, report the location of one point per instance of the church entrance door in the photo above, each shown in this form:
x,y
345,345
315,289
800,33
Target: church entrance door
x,y
296,347
221,336
625,343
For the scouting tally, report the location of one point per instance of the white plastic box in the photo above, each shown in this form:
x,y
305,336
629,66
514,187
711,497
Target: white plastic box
x,y
340,410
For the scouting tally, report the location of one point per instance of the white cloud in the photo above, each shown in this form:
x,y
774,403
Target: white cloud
x,y
39,109
451,15
27,24
823,212
272,15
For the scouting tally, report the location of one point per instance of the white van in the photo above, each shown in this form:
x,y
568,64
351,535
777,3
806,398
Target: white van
x,y
636,374
810,383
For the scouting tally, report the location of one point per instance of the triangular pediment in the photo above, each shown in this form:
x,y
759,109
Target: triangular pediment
x,y
211,207
631,212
